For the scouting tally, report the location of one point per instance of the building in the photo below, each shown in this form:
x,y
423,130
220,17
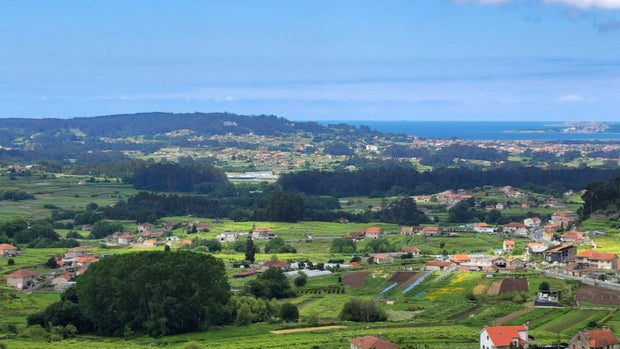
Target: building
x,y
508,246
594,339
560,254
228,236
574,237
262,233
372,233
430,231
438,265
532,222
515,228
410,249
368,342
7,250
21,278
503,337
564,218
383,258
597,260
534,249
483,228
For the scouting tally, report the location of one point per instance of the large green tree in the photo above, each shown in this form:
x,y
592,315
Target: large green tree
x,y
157,293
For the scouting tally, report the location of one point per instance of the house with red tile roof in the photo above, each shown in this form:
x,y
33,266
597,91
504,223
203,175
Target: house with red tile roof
x,y
597,260
508,246
383,258
595,339
368,342
438,265
574,237
430,231
21,279
372,233
7,250
460,258
503,337
515,228
410,249
275,264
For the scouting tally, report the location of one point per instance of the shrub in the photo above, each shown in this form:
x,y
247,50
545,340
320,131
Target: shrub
x,y
361,311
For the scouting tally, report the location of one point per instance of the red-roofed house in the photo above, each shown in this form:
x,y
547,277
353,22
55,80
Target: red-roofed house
x,y
21,278
7,250
597,260
275,264
410,249
515,228
503,337
368,342
383,258
430,231
125,239
372,233
262,233
508,246
574,237
595,339
438,265
460,258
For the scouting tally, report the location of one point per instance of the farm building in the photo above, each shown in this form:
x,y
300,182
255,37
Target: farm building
x,y
21,278
594,339
503,337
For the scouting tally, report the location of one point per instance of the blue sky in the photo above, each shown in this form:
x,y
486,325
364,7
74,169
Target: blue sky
x,y
314,60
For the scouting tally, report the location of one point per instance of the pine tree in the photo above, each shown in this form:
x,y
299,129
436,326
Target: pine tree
x,y
250,250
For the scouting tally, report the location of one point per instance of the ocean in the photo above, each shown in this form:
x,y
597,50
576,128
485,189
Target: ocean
x,y
483,130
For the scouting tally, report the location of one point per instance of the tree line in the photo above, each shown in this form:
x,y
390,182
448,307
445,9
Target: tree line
x,y
395,180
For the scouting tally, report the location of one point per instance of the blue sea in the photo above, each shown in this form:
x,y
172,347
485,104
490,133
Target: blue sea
x,y
483,130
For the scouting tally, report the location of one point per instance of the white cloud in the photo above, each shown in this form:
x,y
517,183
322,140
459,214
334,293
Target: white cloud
x,y
571,98
588,4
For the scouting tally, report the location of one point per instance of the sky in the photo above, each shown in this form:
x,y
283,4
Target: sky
x,y
539,60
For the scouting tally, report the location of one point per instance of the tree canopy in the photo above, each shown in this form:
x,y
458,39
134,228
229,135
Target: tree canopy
x,y
157,293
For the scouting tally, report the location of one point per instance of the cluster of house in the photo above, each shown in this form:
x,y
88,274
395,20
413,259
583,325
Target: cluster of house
x,y
484,263
505,337
293,269
74,262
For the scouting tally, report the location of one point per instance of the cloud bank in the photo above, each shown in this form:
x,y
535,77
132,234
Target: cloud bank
x,y
580,4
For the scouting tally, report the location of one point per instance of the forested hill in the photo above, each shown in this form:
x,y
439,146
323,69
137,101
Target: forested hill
x,y
151,124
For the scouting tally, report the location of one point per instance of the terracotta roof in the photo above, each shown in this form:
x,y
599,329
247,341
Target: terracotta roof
x,y
438,263
503,336
368,342
275,264
460,258
381,256
595,255
7,247
515,225
23,273
559,248
602,338
372,230
509,242
410,249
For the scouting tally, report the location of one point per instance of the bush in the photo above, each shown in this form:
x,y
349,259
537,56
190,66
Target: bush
x,y
361,311
289,312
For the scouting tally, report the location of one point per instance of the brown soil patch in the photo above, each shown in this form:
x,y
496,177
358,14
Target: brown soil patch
x,y
307,329
355,279
504,319
596,294
514,285
493,290
480,288
405,278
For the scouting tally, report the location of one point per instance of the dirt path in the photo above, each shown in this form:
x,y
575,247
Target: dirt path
x,y
504,319
307,329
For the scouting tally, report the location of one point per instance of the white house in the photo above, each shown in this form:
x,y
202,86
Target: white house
x,y
503,337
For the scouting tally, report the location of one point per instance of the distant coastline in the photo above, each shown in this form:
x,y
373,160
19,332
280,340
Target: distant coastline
x,y
495,130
